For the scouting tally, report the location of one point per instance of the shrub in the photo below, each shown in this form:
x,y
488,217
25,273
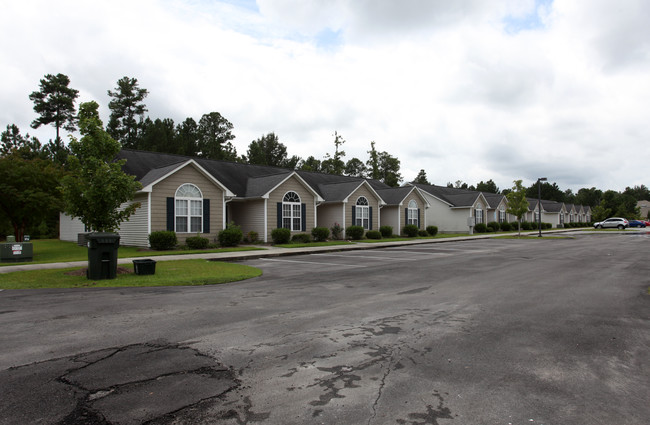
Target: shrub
x,y
423,233
301,238
432,230
373,234
354,232
480,228
525,225
410,230
197,242
320,234
386,231
336,231
493,226
163,241
505,226
281,235
230,236
251,237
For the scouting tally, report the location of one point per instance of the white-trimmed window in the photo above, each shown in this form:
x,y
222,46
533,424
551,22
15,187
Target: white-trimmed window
x,y
502,215
189,209
478,213
412,213
536,216
362,213
291,212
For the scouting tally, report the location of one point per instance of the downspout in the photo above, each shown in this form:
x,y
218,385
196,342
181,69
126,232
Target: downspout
x,y
148,218
343,224
226,200
266,220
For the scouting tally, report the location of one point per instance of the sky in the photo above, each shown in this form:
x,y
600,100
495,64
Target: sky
x,y
466,90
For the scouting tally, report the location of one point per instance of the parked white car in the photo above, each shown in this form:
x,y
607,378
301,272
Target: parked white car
x,y
613,223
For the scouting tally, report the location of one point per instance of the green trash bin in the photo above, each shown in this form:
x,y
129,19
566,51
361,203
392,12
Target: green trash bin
x,y
102,255
144,266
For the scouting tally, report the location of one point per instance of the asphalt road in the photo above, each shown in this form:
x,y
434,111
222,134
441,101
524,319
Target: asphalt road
x,y
550,331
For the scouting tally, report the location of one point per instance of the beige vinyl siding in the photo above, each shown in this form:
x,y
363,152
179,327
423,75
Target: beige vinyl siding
x,y
390,216
135,231
415,197
69,228
167,188
373,202
249,215
306,197
328,214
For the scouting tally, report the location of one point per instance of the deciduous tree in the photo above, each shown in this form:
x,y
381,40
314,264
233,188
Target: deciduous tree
x,y
517,202
97,190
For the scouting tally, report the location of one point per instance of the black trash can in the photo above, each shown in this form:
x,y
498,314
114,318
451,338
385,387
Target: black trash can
x,y
102,255
144,266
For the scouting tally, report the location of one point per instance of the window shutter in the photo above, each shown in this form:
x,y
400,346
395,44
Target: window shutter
x,y
279,221
170,214
406,216
303,216
419,225
354,215
369,218
206,216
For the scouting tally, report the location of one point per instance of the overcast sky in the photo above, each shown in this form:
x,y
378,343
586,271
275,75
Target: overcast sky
x,y
467,90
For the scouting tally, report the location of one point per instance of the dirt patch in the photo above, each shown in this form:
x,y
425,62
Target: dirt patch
x,y
83,272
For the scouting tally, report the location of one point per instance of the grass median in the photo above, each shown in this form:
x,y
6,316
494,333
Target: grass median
x,y
168,273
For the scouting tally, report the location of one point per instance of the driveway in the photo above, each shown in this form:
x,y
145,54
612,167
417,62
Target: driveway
x,y
550,331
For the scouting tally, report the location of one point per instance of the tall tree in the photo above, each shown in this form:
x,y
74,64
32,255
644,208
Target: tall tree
x,y
267,150
640,193
373,162
356,168
127,111
421,178
550,192
186,138
215,134
26,146
97,189
54,102
488,186
310,164
334,164
517,202
383,166
158,136
590,197
28,191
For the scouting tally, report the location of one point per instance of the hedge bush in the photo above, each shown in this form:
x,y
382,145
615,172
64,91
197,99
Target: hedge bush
x,y
197,242
320,234
251,237
423,233
232,235
525,225
337,230
480,227
505,226
410,230
373,234
281,235
301,238
432,230
354,232
163,241
386,231
493,226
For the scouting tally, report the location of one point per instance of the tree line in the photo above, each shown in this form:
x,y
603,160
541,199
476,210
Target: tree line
x,y
31,172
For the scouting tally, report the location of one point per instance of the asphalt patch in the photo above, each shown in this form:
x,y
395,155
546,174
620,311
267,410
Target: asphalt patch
x,y
124,385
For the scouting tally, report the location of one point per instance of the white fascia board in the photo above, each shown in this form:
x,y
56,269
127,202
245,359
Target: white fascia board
x,y
202,170
381,201
302,181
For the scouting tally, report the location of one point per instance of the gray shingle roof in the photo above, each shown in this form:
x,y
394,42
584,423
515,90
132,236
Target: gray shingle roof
x,y
451,195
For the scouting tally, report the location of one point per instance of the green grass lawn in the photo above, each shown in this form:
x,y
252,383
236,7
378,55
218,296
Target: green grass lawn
x,y
56,251
168,273
311,244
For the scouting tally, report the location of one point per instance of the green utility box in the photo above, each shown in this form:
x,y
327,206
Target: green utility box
x,y
102,255
15,252
144,266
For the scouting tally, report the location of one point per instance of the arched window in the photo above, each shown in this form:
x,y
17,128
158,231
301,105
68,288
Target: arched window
x,y
478,213
189,209
412,213
362,213
291,211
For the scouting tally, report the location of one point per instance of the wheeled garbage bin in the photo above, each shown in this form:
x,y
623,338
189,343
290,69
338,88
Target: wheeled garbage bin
x,y
102,255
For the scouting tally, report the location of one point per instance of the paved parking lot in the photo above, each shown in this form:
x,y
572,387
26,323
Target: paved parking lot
x,y
551,331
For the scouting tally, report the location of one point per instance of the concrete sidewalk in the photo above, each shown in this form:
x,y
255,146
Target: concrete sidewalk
x,y
269,251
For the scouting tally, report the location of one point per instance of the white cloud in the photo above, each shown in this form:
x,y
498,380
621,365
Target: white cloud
x,y
467,90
